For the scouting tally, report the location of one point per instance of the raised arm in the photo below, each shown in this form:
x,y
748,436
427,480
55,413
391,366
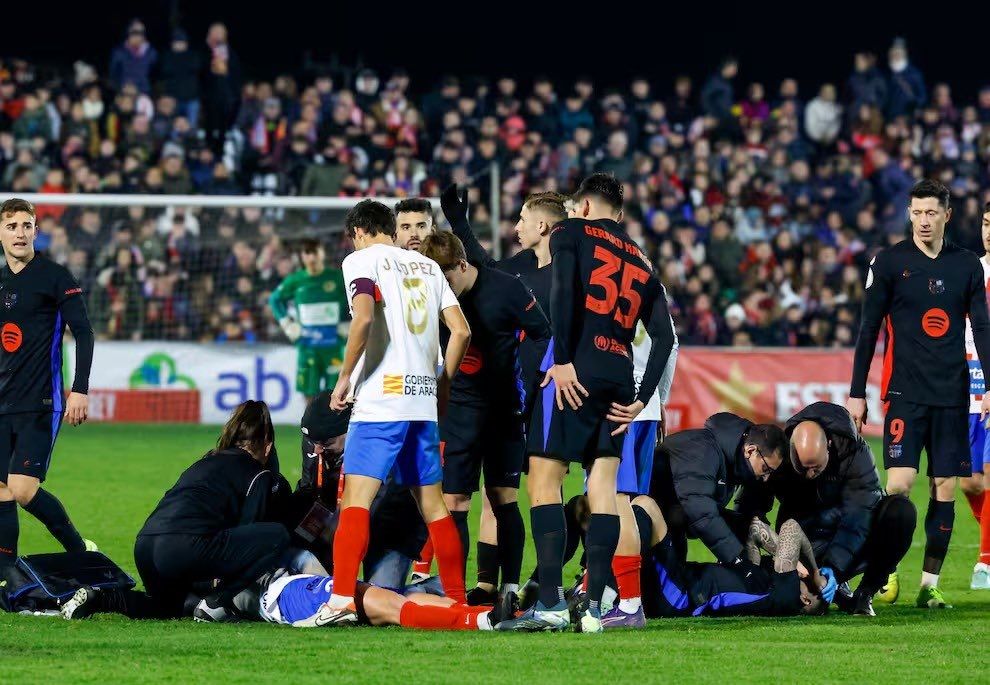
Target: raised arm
x,y
455,208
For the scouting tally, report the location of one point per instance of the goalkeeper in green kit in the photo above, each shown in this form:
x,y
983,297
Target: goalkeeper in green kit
x,y
315,320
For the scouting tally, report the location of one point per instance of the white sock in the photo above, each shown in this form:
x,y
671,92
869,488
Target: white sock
x,y
484,621
980,566
339,602
510,587
630,606
609,598
929,579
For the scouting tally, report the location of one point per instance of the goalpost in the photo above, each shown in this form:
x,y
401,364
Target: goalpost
x,y
177,288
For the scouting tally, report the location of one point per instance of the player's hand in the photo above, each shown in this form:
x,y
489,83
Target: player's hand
x,y
566,385
338,398
624,414
857,410
831,584
454,205
802,572
291,328
985,408
76,408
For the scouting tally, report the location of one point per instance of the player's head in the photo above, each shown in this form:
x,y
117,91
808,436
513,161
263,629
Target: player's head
x,y
250,428
447,250
809,449
929,211
323,428
986,227
811,602
17,228
312,254
763,448
538,215
598,197
414,221
369,222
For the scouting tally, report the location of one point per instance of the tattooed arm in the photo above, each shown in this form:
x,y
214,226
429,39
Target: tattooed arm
x,y
761,537
793,549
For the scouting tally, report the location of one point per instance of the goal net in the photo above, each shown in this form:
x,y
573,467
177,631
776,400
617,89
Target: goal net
x,y
178,292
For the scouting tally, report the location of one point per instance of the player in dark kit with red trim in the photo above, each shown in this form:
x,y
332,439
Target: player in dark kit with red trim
x,y
921,290
602,285
37,299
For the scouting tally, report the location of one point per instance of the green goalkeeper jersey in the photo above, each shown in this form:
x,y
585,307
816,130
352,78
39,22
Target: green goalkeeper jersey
x,y
318,303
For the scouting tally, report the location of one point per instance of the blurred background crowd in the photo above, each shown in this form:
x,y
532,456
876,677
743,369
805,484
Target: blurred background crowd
x,y
759,203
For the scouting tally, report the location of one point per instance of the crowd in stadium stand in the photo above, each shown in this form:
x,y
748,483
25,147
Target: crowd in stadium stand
x,y
759,203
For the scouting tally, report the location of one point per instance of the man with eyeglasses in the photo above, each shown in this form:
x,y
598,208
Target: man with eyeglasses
x,y
831,488
696,473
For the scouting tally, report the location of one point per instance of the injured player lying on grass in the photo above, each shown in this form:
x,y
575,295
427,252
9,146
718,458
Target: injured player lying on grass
x,y
787,582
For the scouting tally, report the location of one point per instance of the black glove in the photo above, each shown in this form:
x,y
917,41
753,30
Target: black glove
x,y
455,207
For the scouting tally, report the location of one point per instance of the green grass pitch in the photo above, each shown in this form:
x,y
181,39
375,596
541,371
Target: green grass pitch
x,y
109,477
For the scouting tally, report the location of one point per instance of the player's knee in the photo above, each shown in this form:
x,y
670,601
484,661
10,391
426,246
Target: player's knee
x,y
972,485
5,494
899,484
945,489
897,513
500,496
23,490
457,502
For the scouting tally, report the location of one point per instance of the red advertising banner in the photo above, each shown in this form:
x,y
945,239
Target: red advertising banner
x,y
144,406
766,385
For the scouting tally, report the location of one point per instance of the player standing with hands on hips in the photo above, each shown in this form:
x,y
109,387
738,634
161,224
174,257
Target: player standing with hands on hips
x,y
37,299
922,290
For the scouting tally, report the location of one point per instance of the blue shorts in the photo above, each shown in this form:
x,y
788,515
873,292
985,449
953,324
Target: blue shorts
x,y
636,466
409,450
979,446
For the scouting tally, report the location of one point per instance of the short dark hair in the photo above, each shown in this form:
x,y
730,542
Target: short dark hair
x,y
768,438
929,187
309,245
986,208
445,248
415,204
603,186
373,217
550,203
16,204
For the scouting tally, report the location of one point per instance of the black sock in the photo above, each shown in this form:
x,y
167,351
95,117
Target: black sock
x,y
488,563
889,540
511,541
644,526
8,533
46,508
548,527
938,532
461,521
603,538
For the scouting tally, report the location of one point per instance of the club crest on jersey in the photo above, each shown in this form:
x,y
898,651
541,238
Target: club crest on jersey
x,y
896,451
936,286
9,300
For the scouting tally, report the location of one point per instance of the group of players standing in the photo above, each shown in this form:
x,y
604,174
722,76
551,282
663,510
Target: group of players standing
x,y
564,354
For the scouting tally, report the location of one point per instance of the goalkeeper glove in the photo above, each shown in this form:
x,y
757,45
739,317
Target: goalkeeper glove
x,y
291,328
455,208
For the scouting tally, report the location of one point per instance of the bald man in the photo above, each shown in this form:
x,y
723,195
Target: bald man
x,y
829,484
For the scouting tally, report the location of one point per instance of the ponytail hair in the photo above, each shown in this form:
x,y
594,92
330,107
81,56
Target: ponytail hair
x,y
249,427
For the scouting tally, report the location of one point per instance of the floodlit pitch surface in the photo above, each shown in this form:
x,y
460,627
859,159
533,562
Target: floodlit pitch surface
x,y
110,477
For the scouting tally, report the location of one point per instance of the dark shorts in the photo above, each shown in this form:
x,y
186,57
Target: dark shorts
x,y
582,435
476,438
26,443
943,432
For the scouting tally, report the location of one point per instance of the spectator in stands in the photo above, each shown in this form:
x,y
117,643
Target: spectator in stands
x,y
133,60
823,117
180,74
906,86
221,87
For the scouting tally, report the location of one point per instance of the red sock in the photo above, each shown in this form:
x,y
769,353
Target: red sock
x,y
425,559
349,547
584,582
450,560
626,572
436,618
985,531
976,504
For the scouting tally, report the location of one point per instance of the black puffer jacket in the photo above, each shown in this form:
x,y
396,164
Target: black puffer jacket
x,y
700,470
836,508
